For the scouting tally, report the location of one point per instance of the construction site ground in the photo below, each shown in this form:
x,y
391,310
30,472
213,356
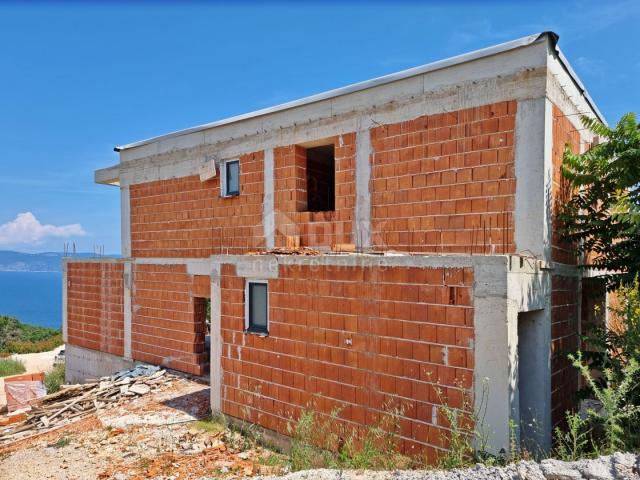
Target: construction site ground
x,y
165,434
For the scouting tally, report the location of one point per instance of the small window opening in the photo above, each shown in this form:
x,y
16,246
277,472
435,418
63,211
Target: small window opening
x,y
257,307
231,183
321,179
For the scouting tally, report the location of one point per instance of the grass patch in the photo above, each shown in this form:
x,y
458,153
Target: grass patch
x,y
211,424
324,441
62,442
18,337
54,378
9,367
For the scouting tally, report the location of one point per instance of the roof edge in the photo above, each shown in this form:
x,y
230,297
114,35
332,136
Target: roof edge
x,y
355,87
574,76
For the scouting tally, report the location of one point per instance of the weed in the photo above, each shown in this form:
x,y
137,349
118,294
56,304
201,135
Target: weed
x,y
467,438
54,379
62,442
324,441
573,444
613,395
9,366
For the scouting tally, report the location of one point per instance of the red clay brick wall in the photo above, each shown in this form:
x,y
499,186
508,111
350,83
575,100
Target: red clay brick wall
x,y
564,133
163,327
445,182
564,339
95,312
355,338
314,228
185,217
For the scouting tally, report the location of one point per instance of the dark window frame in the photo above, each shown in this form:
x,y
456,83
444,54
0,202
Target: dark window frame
x,y
248,323
227,192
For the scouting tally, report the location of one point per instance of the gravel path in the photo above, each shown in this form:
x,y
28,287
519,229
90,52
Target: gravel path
x,y
52,463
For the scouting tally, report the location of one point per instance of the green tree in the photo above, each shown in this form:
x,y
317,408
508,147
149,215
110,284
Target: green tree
x,y
602,217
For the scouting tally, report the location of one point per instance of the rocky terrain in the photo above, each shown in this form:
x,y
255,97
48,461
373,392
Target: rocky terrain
x,y
614,467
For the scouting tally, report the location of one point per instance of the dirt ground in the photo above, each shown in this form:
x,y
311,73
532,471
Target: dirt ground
x,y
155,436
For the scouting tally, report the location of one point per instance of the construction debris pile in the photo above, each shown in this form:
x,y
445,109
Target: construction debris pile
x,y
74,402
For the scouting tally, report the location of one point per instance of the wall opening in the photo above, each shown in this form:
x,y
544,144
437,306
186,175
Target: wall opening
x,y
321,178
201,309
533,379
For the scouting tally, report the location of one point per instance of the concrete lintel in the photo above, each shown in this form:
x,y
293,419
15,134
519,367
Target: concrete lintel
x,y
198,266
257,266
216,340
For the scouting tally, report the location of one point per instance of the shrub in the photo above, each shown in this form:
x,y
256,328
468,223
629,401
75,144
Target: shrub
x,y
618,422
18,337
9,366
27,346
54,379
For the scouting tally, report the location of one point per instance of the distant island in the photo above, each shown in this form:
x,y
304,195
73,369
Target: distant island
x,y
11,261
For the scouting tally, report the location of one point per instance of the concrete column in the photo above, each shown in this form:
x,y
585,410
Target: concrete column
x,y
125,221
268,209
362,216
65,285
532,187
128,282
216,340
493,392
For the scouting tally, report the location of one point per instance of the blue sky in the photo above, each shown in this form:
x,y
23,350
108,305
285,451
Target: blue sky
x,y
77,79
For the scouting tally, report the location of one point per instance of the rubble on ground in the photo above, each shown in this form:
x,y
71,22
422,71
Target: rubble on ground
x,y
165,434
74,402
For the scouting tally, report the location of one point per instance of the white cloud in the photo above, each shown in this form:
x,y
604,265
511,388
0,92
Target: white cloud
x,y
25,229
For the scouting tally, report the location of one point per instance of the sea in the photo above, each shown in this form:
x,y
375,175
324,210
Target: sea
x,y
32,297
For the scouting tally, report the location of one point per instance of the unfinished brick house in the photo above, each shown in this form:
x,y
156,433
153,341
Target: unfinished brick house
x,y
441,182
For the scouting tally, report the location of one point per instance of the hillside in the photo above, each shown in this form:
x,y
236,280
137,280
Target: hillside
x,y
18,337
11,261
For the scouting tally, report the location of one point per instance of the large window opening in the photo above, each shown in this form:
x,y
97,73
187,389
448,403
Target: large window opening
x,y
321,179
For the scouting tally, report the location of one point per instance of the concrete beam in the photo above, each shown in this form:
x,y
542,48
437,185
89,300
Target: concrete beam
x,y
400,103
